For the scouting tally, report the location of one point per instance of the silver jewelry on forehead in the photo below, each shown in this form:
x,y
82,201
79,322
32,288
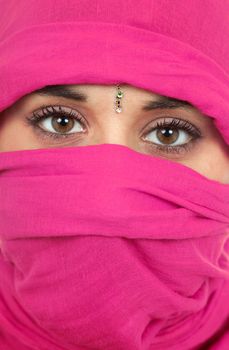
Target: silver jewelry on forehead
x,y
118,98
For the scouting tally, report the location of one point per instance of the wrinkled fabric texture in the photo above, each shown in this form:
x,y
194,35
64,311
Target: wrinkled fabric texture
x,y
104,248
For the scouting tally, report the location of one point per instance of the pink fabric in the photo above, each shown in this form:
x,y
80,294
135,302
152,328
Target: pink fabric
x,y
103,247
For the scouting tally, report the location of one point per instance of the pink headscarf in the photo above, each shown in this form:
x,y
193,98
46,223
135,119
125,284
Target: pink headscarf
x,y
105,248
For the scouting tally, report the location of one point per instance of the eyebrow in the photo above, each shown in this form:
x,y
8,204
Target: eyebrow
x,y
162,102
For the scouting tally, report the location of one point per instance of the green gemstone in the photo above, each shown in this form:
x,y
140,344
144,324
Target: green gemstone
x,y
119,94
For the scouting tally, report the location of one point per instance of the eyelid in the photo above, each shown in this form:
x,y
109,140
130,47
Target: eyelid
x,y
60,101
75,109
59,108
45,106
171,119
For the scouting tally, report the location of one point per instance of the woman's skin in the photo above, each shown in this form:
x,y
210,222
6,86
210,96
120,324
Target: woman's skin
x,y
208,155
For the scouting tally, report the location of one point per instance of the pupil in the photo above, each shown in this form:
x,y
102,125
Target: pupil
x,y
167,132
63,121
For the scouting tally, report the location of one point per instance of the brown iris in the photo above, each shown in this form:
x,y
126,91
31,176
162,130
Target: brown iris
x,y
167,135
59,124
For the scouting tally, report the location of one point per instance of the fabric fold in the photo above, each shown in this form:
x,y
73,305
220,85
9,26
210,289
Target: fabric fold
x,y
88,228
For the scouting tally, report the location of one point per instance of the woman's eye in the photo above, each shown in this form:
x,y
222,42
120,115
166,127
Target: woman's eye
x,y
172,136
56,122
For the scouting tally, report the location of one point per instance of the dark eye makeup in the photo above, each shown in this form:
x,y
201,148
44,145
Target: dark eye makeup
x,y
165,127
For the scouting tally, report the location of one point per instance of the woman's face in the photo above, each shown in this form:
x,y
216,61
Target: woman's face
x,y
191,139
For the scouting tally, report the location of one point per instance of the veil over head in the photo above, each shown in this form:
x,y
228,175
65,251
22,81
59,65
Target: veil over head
x,y
103,247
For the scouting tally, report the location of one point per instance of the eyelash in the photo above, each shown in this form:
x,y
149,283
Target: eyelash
x,y
175,123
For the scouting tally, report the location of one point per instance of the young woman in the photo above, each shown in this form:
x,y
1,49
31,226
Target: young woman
x,y
114,175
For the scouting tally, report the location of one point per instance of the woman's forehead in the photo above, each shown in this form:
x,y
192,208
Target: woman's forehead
x,y
82,93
